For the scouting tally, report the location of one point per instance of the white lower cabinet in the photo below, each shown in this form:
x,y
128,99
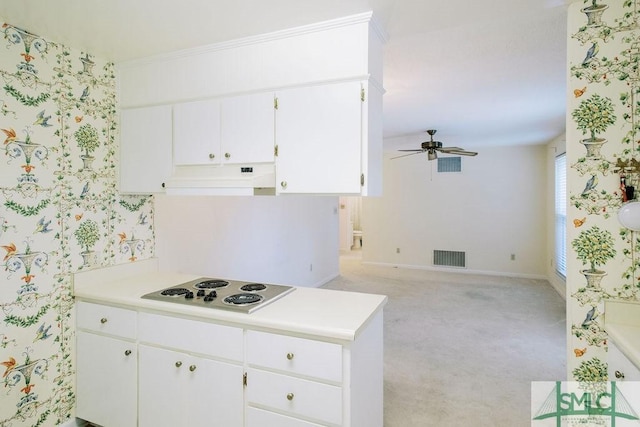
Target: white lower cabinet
x,y
311,400
106,380
190,373
294,381
179,389
620,367
136,368
261,418
106,368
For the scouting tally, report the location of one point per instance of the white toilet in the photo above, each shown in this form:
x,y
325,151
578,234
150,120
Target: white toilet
x,y
357,239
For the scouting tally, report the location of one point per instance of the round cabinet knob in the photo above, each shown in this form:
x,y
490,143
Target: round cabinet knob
x,y
619,375
289,396
283,184
192,368
290,356
127,352
212,156
178,364
103,320
227,155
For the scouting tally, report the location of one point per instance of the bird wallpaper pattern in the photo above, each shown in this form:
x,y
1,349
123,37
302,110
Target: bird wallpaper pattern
x,y
603,145
61,213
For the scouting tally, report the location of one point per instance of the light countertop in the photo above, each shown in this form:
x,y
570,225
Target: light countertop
x,y
622,323
321,313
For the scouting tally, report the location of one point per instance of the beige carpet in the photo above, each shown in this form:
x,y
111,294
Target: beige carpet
x,y
462,350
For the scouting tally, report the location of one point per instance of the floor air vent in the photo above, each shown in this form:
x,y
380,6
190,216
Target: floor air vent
x,y
449,258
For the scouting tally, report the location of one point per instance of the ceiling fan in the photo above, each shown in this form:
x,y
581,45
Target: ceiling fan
x,y
432,146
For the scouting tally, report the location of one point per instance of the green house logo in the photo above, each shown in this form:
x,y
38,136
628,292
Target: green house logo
x,y
574,403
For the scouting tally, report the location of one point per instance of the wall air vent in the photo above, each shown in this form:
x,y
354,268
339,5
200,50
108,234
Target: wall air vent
x,y
449,258
450,164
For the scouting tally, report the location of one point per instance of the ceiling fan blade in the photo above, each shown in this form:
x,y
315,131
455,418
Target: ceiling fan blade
x,y
456,150
419,149
410,154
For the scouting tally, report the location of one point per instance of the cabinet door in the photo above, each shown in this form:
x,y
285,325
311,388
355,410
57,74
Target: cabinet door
x,y
215,393
319,137
161,401
178,389
145,149
196,133
248,124
106,380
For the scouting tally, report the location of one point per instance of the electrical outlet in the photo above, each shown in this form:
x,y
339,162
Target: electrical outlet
x,y
513,257
397,250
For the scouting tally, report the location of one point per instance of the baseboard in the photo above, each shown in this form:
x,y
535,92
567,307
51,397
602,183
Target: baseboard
x,y
76,422
459,270
327,279
559,284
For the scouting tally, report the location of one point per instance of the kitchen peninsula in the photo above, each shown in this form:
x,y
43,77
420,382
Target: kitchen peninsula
x,y
313,357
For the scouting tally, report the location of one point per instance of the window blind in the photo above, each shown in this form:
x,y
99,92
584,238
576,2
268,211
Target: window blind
x,y
561,214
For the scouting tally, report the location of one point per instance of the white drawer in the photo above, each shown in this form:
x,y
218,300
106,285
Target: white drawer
x,y
295,355
618,362
322,402
261,418
115,321
191,336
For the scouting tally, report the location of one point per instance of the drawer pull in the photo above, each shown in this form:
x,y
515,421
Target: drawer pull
x,y
212,156
289,396
178,364
290,356
227,155
103,320
192,368
619,375
127,352
283,184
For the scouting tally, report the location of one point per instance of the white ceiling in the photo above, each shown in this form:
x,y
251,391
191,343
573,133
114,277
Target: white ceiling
x,y
481,73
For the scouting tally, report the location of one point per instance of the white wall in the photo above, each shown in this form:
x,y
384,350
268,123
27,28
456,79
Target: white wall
x,y
494,208
290,240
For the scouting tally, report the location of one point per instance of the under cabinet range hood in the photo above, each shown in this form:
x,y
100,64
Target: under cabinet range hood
x,y
232,180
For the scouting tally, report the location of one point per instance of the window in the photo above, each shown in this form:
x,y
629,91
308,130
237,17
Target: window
x,y
561,215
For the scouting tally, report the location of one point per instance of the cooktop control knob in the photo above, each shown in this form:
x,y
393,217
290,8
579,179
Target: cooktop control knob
x,y
211,296
200,292
189,295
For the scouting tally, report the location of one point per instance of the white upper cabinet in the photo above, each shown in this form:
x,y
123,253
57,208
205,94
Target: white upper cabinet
x,y
196,133
232,130
319,138
327,127
145,149
248,125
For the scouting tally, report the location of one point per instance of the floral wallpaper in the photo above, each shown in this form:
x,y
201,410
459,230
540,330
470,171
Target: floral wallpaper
x,y
61,212
603,143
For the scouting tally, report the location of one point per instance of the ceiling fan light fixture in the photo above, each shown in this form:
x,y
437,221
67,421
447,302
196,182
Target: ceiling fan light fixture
x,y
431,147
